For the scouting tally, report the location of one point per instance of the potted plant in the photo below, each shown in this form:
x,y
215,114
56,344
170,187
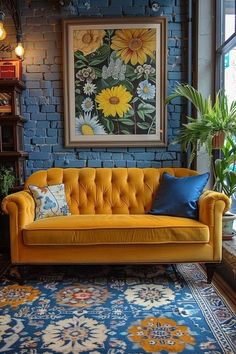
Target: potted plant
x,y
225,181
215,128
7,182
216,120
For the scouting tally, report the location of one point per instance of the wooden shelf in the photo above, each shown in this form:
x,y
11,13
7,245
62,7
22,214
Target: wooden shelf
x,y
12,82
13,118
13,154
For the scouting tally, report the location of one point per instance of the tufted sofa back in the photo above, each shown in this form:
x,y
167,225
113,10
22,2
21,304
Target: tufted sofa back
x,y
107,190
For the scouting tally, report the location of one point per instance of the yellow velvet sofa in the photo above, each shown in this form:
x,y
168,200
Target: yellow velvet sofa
x,y
109,221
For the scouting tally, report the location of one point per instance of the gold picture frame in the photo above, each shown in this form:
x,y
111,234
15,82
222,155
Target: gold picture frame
x,y
115,82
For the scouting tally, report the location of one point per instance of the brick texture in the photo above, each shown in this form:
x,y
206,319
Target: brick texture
x,y
43,97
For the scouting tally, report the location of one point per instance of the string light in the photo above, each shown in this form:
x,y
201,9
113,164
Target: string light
x,y
3,33
12,7
19,50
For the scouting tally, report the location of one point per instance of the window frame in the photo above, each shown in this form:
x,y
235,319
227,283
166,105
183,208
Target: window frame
x,y
222,47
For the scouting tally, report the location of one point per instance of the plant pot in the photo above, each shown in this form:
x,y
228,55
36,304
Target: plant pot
x,y
227,226
218,140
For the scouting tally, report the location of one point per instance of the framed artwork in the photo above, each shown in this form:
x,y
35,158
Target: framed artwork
x,y
115,82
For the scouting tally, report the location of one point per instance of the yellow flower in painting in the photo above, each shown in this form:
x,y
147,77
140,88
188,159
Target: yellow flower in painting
x,y
160,334
134,45
88,41
15,295
114,101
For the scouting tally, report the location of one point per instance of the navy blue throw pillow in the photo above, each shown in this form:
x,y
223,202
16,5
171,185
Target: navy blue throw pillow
x,y
179,196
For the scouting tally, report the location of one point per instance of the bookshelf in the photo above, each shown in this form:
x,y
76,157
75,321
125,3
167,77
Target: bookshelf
x,y
12,153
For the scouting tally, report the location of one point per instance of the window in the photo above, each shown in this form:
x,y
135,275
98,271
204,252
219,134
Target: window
x,y
226,47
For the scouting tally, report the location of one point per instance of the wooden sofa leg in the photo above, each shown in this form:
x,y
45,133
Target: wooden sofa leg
x,y
210,269
15,275
177,274
173,266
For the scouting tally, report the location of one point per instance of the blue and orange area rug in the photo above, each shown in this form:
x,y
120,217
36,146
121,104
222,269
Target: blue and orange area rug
x,y
114,310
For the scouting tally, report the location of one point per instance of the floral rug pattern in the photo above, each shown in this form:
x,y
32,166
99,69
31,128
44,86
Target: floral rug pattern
x,y
114,310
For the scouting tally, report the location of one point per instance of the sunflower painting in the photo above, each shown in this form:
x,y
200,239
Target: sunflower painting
x,y
114,82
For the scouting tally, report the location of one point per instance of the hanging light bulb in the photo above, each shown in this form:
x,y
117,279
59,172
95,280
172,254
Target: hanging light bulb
x,y
19,50
3,32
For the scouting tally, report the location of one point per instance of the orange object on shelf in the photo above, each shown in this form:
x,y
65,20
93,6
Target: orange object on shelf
x,y
11,69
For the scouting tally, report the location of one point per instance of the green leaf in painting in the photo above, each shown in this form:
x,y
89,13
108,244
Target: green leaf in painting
x,y
135,99
110,32
141,114
104,84
143,125
127,121
128,85
79,55
146,108
94,62
98,71
130,72
149,116
78,99
99,56
79,64
109,125
130,113
126,132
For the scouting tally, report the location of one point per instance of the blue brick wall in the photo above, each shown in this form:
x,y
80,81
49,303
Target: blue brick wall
x,y
43,98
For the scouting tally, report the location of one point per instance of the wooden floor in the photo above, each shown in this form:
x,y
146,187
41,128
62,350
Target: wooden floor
x,y
227,291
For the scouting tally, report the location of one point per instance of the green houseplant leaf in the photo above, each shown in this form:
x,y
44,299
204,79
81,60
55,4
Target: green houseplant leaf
x,y
212,118
7,181
225,169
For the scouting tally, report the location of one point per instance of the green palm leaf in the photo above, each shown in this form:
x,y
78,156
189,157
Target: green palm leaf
x,y
212,118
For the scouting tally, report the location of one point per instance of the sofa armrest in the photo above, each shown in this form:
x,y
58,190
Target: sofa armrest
x,y
21,209
212,205
20,206
212,202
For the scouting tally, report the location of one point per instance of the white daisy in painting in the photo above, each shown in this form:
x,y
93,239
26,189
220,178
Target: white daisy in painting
x,y
89,88
87,105
146,90
87,125
74,335
149,295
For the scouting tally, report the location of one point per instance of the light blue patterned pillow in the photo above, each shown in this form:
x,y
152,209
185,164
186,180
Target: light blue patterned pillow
x,y
50,201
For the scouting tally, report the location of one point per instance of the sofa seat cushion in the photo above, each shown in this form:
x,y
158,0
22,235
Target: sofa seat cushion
x,y
114,229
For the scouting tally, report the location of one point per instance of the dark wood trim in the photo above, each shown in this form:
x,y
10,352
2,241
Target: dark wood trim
x,y
195,45
9,83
